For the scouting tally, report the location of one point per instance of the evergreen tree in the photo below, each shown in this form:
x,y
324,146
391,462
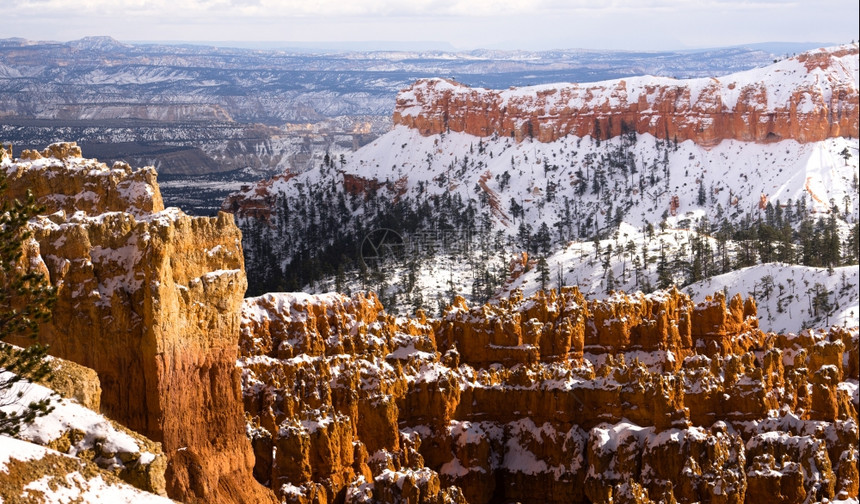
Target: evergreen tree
x,y
701,198
524,235
697,263
543,239
846,155
821,305
785,249
664,274
340,278
806,237
26,300
543,272
637,269
831,243
610,282
852,250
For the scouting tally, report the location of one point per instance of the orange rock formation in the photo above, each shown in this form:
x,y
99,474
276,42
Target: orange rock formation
x,y
148,298
821,102
641,398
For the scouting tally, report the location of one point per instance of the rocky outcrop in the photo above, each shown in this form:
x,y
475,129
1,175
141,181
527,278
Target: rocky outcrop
x,y
260,200
149,299
259,205
73,381
552,398
71,426
322,378
62,180
807,98
33,473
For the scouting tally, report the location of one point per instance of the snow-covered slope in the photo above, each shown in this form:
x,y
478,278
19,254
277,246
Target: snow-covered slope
x,y
791,298
74,454
637,177
33,473
66,416
585,208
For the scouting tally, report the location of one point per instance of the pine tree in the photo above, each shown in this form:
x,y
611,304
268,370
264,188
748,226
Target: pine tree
x,y
543,239
664,274
846,155
697,263
821,305
853,246
637,269
26,300
340,278
610,282
701,197
832,244
543,272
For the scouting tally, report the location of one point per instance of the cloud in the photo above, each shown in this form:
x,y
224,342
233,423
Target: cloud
x,y
392,8
642,24
326,8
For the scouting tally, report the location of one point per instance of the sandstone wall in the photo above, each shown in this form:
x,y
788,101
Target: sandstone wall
x,y
149,299
807,98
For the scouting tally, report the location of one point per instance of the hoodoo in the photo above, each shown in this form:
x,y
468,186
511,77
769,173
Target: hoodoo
x,y
546,399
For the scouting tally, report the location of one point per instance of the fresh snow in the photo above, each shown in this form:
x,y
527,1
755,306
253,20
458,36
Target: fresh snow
x,y
66,416
74,487
777,82
16,449
735,175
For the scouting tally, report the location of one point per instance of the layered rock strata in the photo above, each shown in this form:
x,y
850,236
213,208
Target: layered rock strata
x,y
808,98
553,398
149,298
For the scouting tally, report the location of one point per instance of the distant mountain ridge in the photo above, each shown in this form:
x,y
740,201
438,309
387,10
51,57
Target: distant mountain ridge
x,y
153,81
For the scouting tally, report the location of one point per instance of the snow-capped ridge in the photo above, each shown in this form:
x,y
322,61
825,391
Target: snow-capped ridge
x,y
808,98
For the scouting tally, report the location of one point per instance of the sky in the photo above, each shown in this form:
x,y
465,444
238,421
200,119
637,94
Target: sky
x,y
447,24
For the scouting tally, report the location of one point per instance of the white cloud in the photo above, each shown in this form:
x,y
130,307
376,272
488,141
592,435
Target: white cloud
x,y
291,8
532,24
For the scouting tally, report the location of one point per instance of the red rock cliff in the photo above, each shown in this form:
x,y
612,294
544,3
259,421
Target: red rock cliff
x,y
148,298
807,98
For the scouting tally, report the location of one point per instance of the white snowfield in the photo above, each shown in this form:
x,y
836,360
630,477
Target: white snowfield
x,y
735,174
68,415
736,177
782,293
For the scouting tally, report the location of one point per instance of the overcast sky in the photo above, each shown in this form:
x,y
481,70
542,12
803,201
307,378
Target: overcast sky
x,y
463,24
